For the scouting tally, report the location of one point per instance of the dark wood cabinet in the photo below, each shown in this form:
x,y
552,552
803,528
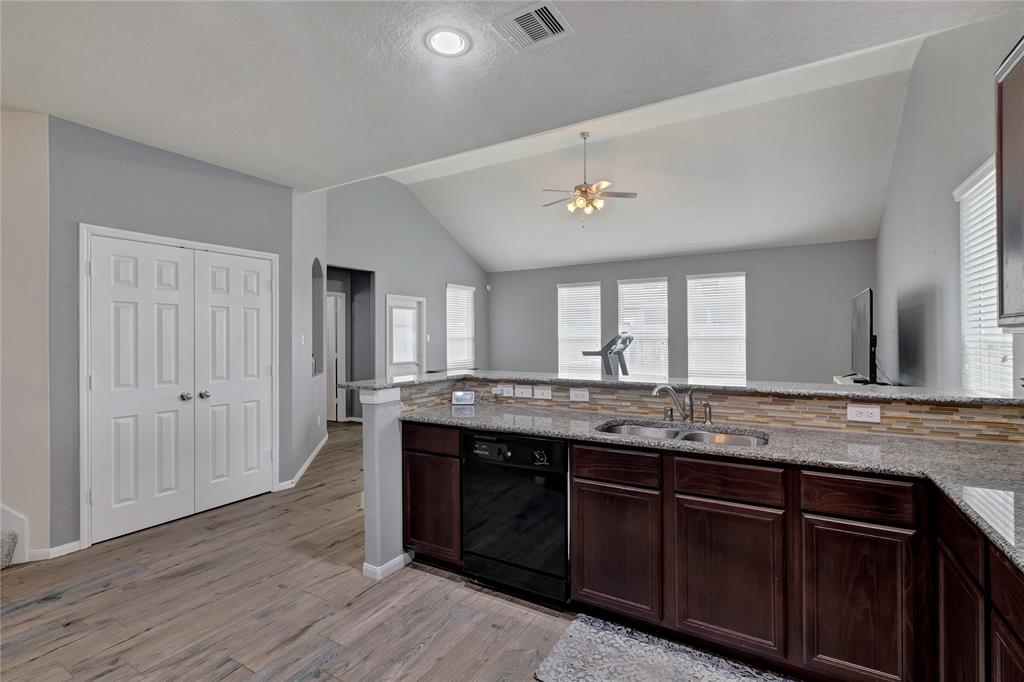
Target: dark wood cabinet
x,y
1010,186
431,513
1007,653
729,570
857,599
616,547
961,622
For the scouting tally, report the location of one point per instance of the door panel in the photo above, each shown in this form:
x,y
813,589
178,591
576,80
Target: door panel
x,y
141,362
729,573
234,448
961,610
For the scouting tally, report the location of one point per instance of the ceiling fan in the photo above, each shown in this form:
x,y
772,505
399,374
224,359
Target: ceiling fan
x,y
586,197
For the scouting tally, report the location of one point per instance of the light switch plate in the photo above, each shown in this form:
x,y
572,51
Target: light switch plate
x,y
579,395
524,391
542,392
863,413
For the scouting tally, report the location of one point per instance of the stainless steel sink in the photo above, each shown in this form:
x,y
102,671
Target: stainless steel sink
x,y
641,431
685,432
724,438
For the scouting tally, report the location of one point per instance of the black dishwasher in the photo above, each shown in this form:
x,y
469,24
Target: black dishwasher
x,y
514,512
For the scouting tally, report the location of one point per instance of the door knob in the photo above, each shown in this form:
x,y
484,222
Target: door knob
x,y
204,394
185,397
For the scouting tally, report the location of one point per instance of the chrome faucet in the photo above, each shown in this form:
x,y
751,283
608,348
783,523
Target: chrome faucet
x,y
685,410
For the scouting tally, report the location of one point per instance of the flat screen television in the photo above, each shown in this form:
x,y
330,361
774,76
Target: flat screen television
x,y
862,341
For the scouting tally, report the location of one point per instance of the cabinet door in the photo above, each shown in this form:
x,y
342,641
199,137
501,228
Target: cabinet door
x,y
616,548
729,573
1007,653
857,600
431,519
961,623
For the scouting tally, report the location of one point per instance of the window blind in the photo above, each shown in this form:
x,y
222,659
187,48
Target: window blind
x,y
987,351
643,313
459,320
716,322
579,328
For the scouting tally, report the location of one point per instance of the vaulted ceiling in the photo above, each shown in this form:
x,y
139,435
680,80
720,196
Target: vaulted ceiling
x,y
312,94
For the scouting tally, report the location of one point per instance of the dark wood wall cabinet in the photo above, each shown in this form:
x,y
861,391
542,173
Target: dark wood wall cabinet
x,y
824,574
1010,186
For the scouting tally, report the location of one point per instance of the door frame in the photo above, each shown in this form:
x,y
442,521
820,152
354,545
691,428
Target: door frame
x,y
421,303
341,369
85,232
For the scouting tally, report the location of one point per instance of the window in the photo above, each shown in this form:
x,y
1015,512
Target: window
x,y
460,322
579,328
716,322
643,313
987,350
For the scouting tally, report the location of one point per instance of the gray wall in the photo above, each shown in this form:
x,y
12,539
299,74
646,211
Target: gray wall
x,y
947,130
106,180
380,225
798,307
309,392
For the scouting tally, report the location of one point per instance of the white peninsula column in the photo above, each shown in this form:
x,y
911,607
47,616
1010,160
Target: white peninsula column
x,y
382,482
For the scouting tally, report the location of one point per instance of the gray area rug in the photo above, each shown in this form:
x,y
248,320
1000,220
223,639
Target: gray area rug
x,y
593,650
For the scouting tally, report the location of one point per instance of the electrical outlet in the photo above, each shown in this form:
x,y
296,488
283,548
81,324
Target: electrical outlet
x,y
863,413
542,392
505,390
524,391
579,395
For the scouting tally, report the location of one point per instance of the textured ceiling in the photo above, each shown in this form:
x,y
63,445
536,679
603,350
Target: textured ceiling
x,y
806,169
314,94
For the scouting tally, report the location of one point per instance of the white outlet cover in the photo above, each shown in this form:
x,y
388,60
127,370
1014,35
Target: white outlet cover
x,y
579,395
524,391
507,390
871,414
542,392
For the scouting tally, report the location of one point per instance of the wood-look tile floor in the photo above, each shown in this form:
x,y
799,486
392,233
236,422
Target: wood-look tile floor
x,y
270,588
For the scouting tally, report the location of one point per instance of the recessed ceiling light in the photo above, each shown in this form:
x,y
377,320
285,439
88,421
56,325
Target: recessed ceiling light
x,y
447,42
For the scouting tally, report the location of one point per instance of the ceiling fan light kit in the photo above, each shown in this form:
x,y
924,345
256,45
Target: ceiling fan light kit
x,y
586,197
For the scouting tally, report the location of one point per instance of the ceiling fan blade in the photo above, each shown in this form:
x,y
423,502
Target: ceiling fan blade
x,y
560,191
618,195
600,185
556,201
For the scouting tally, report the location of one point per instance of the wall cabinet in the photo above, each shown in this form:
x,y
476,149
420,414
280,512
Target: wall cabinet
x,y
431,504
616,547
728,562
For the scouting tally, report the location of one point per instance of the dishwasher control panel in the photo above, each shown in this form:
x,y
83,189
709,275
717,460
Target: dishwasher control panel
x,y
515,451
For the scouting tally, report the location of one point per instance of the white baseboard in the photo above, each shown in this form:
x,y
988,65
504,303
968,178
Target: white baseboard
x,y
53,552
18,522
285,485
393,566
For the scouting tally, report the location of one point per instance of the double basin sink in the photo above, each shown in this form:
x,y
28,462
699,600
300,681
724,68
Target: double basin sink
x,y
685,432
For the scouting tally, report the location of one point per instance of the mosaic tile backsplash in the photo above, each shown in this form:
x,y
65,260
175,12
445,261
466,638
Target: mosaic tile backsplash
x,y
986,423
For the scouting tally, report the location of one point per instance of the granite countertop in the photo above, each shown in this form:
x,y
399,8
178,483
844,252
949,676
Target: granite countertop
x,y
986,480
780,388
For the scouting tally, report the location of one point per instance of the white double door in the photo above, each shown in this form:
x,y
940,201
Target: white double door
x,y
181,387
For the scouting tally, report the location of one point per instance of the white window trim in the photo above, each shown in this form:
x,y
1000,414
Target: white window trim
x,y
618,304
717,275
400,299
450,286
558,337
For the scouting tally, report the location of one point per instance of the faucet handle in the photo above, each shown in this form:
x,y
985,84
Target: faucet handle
x,y
707,411
669,415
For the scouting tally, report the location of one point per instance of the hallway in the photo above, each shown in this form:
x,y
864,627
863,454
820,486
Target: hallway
x,y
269,588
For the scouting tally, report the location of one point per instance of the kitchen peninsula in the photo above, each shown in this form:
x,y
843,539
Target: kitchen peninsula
x,y
818,553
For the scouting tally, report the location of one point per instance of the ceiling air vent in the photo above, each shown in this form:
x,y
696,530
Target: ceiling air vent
x,y
535,25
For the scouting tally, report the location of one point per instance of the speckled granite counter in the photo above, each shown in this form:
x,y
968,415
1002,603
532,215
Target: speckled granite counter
x,y
985,480
779,388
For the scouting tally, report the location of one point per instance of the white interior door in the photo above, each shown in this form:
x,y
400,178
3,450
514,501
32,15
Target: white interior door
x,y
234,384
406,335
141,373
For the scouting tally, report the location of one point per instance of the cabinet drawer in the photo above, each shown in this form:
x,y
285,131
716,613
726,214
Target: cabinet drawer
x,y
434,439
741,482
1006,585
871,499
961,536
617,466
